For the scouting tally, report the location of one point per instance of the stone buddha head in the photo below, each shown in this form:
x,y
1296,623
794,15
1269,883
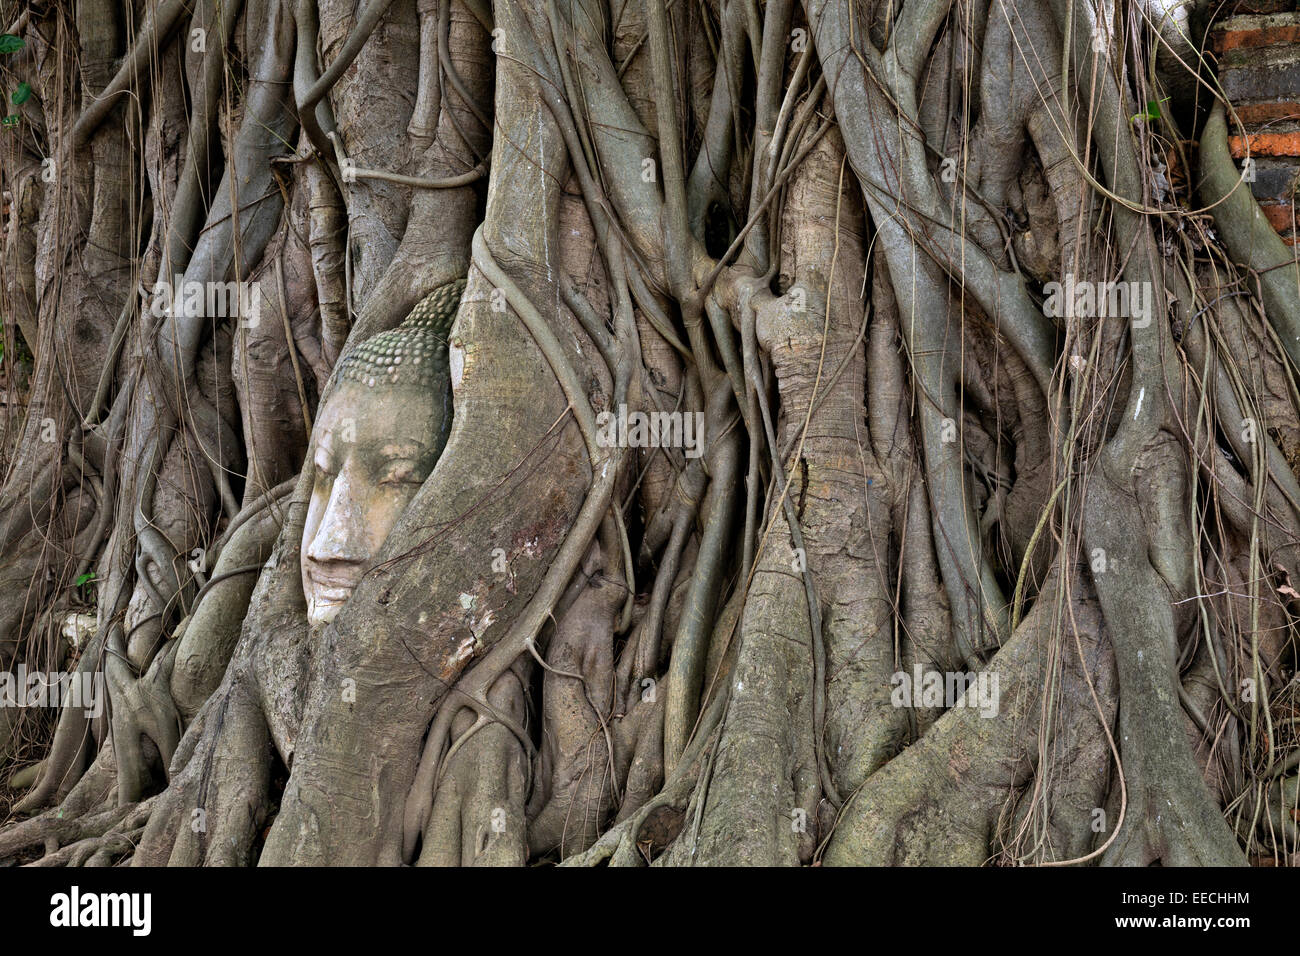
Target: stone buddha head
x,y
377,438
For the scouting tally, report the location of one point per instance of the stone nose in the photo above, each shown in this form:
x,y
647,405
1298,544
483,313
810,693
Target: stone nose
x,y
341,535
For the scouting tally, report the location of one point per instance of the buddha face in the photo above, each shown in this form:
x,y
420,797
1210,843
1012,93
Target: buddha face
x,y
373,448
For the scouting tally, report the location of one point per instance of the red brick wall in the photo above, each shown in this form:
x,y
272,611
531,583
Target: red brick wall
x,y
1258,52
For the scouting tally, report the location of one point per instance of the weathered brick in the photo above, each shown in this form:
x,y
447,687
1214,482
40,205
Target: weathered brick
x,y
1274,178
1255,31
1261,57
1267,73
1257,114
1279,140
1264,82
1280,215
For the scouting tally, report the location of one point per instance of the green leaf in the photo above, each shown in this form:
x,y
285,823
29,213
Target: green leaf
x,y
22,94
1151,113
10,120
84,578
10,43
